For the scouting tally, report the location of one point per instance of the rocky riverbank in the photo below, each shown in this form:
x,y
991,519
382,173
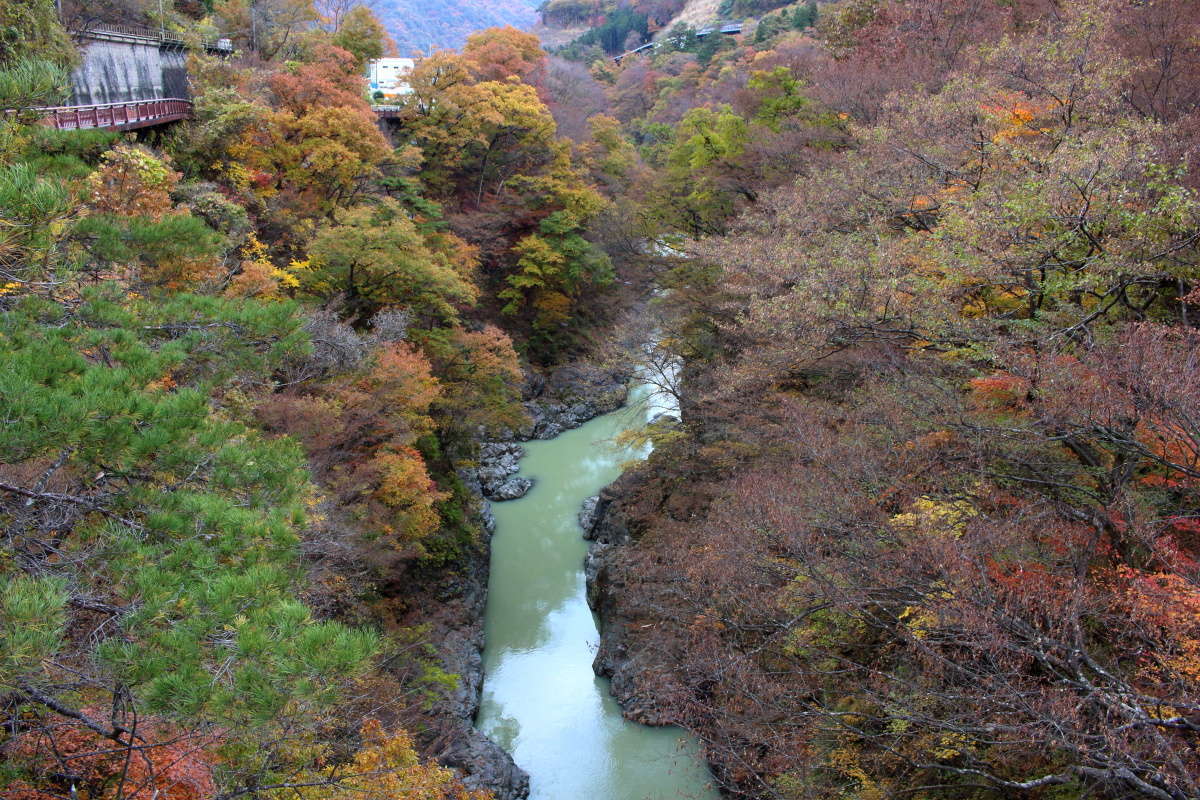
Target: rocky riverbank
x,y
566,399
569,397
606,525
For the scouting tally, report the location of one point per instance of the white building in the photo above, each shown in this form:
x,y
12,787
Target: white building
x,y
388,78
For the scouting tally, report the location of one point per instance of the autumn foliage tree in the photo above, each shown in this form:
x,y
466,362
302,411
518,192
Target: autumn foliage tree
x,y
488,150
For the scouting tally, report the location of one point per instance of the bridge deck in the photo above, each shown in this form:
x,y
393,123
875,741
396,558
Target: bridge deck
x,y
117,116
726,28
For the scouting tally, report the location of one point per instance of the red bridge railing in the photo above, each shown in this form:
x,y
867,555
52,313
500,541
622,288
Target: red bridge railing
x,y
117,116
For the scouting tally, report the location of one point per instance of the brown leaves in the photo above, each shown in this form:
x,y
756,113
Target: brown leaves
x,y
360,430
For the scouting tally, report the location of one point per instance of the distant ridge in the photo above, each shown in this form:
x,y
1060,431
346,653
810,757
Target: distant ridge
x,y
418,25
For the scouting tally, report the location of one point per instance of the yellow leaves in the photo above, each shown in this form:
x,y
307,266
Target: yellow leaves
x,y
940,517
288,277
285,278
258,277
254,249
551,308
132,181
386,767
10,287
845,761
918,620
951,746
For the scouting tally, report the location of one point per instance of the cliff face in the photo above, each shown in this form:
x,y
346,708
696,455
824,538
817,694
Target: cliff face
x,y
613,594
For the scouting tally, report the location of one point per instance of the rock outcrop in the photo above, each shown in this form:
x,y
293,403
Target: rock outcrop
x,y
499,463
569,397
608,531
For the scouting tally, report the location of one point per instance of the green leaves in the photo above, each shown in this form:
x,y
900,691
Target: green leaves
x,y
33,82
374,256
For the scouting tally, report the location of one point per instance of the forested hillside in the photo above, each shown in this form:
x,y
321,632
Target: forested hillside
x,y
928,527
922,275
245,365
419,25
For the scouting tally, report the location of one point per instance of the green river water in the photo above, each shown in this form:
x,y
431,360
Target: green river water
x,y
541,701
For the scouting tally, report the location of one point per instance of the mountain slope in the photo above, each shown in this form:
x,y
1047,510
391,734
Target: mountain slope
x,y
422,24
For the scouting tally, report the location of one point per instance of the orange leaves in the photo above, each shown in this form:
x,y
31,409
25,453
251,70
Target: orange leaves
x,y
1000,392
256,279
1015,116
317,154
401,484
1167,606
498,54
361,433
479,375
165,766
310,153
402,382
330,79
1173,446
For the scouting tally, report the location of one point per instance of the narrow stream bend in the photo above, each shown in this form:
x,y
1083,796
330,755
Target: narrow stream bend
x,y
541,701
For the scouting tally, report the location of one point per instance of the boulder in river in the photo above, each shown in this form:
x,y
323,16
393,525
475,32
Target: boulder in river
x,y
499,463
508,489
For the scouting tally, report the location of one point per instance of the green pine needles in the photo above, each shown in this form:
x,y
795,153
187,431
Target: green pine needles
x,y
156,489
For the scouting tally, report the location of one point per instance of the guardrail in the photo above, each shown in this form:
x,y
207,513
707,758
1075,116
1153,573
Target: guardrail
x,y
115,31
117,116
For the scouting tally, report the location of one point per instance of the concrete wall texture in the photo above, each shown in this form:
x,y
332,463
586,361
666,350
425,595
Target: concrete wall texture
x,y
126,69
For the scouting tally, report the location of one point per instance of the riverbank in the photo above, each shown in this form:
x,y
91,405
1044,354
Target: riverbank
x,y
607,528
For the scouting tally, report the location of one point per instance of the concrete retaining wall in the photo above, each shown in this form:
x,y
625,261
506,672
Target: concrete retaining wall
x,y
122,69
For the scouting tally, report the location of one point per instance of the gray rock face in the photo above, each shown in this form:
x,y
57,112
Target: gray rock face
x,y
593,573
487,766
609,531
587,515
604,525
499,463
487,519
509,489
630,684
569,397
482,763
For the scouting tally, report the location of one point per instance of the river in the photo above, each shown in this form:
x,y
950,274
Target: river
x,y
541,700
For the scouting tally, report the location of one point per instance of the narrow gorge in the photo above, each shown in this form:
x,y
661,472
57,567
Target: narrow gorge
x,y
542,701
